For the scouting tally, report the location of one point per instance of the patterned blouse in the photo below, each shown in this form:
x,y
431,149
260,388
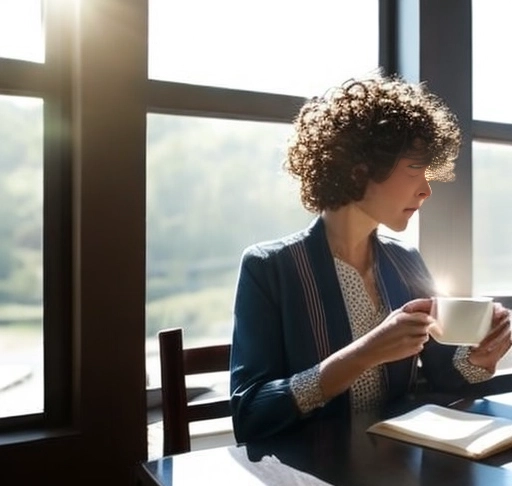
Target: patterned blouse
x,y
368,391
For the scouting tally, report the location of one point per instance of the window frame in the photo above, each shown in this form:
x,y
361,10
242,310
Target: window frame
x,y
94,156
423,49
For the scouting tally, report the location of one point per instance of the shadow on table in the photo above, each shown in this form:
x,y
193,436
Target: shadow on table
x,y
341,452
496,385
333,453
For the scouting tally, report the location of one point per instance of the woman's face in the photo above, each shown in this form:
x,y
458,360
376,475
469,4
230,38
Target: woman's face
x,y
393,201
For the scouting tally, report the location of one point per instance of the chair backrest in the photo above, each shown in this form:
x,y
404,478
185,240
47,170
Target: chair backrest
x,y
175,364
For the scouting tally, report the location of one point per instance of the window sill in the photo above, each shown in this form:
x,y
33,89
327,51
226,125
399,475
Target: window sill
x,y
203,435
28,436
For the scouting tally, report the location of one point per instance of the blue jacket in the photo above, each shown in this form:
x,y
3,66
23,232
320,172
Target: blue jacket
x,y
290,314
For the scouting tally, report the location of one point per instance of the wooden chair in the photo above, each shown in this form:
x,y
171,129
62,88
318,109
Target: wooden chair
x,y
179,409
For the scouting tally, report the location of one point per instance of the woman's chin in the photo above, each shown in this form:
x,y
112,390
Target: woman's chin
x,y
397,227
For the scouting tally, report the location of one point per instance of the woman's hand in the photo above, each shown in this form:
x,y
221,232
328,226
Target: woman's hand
x,y
497,342
402,334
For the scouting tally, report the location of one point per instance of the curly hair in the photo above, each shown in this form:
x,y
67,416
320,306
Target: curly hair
x,y
358,131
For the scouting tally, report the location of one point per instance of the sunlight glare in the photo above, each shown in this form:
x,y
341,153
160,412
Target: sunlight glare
x,y
443,286
21,30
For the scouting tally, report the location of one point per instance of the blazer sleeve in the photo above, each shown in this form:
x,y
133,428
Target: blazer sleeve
x,y
261,399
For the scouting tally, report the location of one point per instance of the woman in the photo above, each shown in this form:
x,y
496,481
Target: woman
x,y
333,319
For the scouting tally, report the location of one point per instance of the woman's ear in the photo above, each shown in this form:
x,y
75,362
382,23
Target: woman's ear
x,y
359,174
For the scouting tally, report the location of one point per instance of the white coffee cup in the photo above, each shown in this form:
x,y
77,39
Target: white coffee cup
x,y
461,320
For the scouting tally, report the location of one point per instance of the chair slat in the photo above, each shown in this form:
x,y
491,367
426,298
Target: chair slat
x,y
206,360
176,363
207,411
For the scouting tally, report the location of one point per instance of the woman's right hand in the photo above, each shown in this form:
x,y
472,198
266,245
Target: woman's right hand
x,y
402,334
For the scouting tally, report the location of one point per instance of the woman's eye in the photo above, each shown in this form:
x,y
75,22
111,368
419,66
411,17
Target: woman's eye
x,y
417,166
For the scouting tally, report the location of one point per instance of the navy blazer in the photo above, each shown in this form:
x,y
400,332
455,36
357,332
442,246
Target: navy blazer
x,y
290,314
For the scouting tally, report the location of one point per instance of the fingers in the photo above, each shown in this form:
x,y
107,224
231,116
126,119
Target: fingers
x,y
488,357
500,314
496,330
504,318
498,339
418,305
503,338
499,331
418,341
502,348
415,328
418,320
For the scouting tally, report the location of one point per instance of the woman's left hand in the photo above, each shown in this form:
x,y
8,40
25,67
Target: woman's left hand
x,y
497,342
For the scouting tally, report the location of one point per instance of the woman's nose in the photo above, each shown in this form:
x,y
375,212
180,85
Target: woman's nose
x,y
425,190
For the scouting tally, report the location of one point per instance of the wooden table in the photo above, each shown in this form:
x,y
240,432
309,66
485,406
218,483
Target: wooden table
x,y
329,453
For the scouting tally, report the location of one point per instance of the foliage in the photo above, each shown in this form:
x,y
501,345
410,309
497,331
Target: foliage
x,y
21,190
202,313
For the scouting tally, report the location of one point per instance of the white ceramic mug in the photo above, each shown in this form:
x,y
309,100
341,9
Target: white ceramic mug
x,y
461,320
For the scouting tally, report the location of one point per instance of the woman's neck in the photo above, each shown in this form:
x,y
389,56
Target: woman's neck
x,y
348,233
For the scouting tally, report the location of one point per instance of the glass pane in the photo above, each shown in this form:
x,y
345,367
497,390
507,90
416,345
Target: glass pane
x,y
213,188
21,219
492,251
492,38
268,46
21,30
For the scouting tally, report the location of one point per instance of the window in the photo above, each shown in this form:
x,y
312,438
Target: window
x,y
492,154
492,37
215,184
34,217
492,173
213,188
492,148
21,30
265,46
90,87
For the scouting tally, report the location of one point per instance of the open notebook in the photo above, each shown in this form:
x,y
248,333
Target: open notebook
x,y
463,433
